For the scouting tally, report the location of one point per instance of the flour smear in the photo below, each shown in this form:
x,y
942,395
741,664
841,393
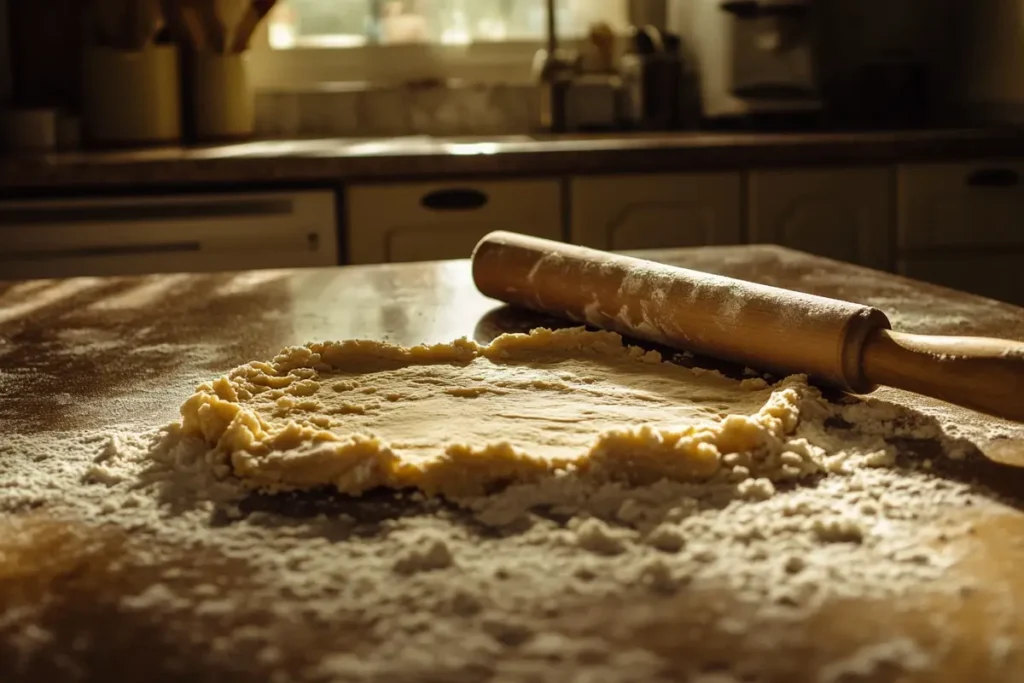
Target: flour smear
x,y
509,585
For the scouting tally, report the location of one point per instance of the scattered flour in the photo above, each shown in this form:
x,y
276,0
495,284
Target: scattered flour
x,y
424,553
868,664
498,586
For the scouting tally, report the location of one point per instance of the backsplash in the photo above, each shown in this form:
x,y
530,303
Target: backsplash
x,y
359,111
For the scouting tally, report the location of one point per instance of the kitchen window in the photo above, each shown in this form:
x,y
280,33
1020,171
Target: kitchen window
x,y
309,42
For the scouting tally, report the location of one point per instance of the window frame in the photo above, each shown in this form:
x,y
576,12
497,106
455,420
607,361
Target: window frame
x,y
324,68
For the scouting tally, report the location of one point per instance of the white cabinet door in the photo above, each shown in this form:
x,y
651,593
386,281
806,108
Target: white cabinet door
x,y
995,275
845,214
43,238
403,222
656,211
973,204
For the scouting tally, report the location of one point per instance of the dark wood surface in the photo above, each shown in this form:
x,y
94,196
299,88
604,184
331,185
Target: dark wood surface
x,y
150,340
348,160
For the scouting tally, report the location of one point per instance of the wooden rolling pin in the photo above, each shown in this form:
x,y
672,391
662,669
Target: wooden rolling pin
x,y
840,343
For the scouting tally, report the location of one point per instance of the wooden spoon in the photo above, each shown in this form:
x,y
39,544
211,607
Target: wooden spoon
x,y
257,10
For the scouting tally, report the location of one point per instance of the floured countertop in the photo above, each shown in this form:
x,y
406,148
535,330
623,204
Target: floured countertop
x,y
122,558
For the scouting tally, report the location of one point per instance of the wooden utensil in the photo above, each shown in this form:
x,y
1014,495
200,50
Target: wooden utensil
x,y
105,16
216,33
843,344
140,22
175,22
204,24
194,28
255,13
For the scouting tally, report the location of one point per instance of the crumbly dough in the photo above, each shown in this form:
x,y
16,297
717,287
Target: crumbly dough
x,y
462,419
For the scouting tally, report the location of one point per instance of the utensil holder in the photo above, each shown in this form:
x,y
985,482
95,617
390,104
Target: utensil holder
x,y
131,98
222,97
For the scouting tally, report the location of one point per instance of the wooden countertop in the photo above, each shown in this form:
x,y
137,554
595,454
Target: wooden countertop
x,y
336,160
91,353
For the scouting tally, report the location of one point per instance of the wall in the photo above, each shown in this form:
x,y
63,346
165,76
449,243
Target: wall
x,y
975,47
5,54
991,82
643,12
46,41
876,56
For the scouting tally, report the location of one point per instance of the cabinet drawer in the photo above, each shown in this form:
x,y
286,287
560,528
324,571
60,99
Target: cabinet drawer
x,y
434,221
45,238
979,204
844,214
997,275
656,211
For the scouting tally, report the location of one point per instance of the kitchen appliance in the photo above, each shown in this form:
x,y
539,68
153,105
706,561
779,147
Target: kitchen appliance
x,y
592,103
895,68
593,94
191,233
659,84
754,56
847,345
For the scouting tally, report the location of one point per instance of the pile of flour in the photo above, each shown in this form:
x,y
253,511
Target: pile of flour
x,y
508,586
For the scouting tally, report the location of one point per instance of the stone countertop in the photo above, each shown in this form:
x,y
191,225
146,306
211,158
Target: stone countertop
x,y
335,160
94,353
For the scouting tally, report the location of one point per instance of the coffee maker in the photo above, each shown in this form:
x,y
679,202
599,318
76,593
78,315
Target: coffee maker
x,y
754,57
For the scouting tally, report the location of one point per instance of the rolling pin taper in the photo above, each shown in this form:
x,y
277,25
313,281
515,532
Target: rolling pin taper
x,y
840,343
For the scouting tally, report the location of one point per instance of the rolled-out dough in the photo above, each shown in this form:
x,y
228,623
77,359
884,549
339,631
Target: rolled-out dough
x,y
461,418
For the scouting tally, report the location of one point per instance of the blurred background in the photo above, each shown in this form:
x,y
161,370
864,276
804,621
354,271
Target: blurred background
x,y
178,135
853,63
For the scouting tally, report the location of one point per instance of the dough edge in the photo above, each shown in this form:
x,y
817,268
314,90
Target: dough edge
x,y
295,457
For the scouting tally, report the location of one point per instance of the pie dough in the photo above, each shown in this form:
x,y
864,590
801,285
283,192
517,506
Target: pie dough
x,y
461,418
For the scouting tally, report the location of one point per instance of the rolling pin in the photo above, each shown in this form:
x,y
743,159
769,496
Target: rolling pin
x,y
842,344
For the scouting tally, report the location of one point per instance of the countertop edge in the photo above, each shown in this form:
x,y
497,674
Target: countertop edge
x,y
332,161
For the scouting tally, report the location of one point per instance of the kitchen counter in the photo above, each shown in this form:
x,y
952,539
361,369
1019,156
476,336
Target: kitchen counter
x,y
337,160
78,357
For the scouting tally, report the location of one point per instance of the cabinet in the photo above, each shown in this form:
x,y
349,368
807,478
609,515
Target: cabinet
x,y
656,211
845,214
399,222
164,234
962,225
955,205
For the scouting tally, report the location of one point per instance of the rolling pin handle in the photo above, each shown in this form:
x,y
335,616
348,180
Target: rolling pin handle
x,y
975,372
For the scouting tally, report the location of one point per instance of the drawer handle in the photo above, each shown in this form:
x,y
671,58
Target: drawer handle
x,y
993,177
455,199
